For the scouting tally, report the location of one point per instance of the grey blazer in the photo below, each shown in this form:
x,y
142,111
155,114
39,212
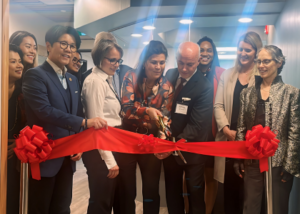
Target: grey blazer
x,y
223,112
282,115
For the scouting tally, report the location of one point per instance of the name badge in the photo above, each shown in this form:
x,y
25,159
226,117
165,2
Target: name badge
x,y
181,109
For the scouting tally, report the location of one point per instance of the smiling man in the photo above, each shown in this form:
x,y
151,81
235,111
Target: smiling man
x,y
191,120
52,97
74,66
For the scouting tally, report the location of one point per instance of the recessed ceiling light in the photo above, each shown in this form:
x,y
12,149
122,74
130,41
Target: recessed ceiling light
x,y
145,43
136,35
186,21
245,20
63,11
148,27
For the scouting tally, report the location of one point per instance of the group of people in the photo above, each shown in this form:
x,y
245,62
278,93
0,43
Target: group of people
x,y
197,102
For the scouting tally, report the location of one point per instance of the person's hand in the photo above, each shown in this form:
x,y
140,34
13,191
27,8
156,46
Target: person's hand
x,y
97,123
113,172
230,134
285,176
153,113
163,155
238,166
10,150
76,157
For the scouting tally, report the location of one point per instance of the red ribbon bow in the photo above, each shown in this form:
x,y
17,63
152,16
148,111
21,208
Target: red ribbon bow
x,y
147,143
261,143
34,147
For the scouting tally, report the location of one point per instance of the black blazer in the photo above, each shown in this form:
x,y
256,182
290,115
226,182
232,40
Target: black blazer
x,y
195,126
47,105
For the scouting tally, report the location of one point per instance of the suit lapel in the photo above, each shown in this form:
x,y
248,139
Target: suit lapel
x,y
72,87
53,76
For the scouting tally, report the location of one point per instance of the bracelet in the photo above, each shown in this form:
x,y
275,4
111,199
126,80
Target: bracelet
x,y
85,124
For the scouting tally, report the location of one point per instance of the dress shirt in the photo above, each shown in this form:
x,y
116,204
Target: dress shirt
x,y
179,80
60,73
99,100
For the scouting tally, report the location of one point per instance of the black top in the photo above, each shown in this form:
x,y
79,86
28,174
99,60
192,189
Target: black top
x,y
14,114
236,104
260,110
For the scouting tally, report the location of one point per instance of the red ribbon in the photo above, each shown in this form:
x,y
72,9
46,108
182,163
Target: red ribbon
x,y
261,143
33,146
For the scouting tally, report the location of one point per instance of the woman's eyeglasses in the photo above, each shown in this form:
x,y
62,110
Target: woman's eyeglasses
x,y
114,61
64,45
264,62
77,61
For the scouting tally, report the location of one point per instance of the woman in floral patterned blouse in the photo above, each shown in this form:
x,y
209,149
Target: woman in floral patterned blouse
x,y
146,95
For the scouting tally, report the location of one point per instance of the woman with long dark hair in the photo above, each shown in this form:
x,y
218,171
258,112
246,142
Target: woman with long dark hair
x,y
210,67
28,44
146,96
16,121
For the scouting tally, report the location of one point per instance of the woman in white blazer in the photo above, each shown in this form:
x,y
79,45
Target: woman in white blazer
x,y
226,109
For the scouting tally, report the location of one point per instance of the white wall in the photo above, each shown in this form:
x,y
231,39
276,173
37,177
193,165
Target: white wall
x,y
287,31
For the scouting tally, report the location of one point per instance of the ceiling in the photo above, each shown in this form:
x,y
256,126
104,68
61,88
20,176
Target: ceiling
x,y
215,18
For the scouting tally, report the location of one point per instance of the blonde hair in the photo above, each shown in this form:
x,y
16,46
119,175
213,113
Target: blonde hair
x,y
254,40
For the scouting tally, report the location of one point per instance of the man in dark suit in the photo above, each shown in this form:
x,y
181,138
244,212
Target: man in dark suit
x,y
191,117
51,101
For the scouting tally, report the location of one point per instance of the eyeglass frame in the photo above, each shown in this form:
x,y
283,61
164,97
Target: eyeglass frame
x,y
258,62
72,51
79,60
120,61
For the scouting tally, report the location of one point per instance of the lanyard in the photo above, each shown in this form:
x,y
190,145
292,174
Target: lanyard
x,y
116,96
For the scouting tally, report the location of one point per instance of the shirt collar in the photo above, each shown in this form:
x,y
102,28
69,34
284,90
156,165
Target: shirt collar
x,y
189,77
104,76
56,68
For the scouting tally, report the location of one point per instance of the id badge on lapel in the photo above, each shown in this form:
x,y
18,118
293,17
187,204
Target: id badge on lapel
x,y
182,107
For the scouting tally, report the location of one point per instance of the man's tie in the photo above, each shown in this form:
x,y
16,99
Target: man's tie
x,y
179,87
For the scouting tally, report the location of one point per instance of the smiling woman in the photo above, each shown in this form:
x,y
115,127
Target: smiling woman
x,y
28,44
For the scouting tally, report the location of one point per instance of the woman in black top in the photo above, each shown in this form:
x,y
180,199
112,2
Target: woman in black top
x,y
16,122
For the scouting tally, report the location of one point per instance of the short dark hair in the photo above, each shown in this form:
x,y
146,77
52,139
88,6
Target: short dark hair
x,y
79,53
102,48
55,32
16,49
154,47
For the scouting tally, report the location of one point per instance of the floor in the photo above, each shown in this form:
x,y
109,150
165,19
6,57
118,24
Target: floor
x,y
81,193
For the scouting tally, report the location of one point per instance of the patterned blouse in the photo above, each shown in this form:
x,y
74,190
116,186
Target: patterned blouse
x,y
135,103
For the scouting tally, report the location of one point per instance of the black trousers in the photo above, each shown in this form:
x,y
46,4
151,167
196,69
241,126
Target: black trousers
x,y
254,187
150,168
52,195
195,186
13,185
102,188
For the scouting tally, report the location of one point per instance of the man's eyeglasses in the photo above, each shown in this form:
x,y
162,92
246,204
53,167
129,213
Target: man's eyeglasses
x,y
114,61
264,62
77,61
64,45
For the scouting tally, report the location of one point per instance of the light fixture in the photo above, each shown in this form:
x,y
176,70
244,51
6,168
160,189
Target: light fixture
x,y
145,43
136,35
63,11
229,49
245,20
148,27
186,21
227,56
